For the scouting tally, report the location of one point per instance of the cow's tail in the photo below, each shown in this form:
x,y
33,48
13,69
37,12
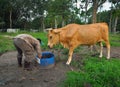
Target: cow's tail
x,y
105,31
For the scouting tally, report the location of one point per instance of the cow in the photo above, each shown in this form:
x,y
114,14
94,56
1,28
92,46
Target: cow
x,y
73,35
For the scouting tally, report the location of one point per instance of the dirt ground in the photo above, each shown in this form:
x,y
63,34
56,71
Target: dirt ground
x,y
13,76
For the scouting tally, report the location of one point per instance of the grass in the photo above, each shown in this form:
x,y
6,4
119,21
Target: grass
x,y
6,43
92,73
115,40
95,73
42,36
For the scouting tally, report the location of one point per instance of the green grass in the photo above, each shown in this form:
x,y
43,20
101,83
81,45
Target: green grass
x,y
95,73
115,40
42,36
6,44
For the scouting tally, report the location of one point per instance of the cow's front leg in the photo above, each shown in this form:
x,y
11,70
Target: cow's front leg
x,y
101,50
70,56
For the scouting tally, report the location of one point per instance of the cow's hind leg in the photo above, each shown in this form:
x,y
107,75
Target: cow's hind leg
x,y
108,49
101,50
70,56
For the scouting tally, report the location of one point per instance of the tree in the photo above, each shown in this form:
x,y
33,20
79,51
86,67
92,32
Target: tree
x,y
2,13
31,10
9,12
63,10
11,7
115,13
96,4
85,10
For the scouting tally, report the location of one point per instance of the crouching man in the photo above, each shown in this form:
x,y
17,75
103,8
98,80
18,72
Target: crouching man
x,y
27,45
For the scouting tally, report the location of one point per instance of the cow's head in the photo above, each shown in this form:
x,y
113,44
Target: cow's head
x,y
53,37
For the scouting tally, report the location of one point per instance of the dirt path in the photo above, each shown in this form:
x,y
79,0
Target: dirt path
x,y
12,76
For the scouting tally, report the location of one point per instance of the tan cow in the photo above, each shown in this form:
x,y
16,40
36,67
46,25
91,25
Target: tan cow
x,y
74,35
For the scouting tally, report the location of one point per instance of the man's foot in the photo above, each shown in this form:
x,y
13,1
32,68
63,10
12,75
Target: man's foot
x,y
28,66
19,62
19,65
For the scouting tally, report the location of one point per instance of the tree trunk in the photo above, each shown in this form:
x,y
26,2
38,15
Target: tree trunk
x,y
86,5
115,25
10,18
42,24
56,23
63,22
110,22
95,7
25,25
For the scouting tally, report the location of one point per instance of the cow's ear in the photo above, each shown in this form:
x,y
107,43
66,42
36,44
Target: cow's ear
x,y
48,30
57,31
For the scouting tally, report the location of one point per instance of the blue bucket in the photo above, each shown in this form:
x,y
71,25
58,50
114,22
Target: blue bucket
x,y
47,59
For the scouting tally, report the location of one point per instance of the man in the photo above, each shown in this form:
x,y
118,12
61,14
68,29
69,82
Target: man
x,y
27,44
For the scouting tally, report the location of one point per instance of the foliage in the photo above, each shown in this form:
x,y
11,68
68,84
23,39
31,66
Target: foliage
x,y
95,73
40,14
103,16
63,11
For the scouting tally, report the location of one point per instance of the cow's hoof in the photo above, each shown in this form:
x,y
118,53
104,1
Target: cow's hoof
x,y
100,56
67,63
108,58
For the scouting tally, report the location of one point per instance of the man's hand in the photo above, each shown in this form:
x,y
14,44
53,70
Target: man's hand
x,y
39,55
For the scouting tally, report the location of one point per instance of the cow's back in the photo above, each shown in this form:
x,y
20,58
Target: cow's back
x,y
85,34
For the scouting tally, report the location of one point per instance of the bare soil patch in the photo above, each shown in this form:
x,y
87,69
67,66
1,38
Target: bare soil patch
x,y
13,76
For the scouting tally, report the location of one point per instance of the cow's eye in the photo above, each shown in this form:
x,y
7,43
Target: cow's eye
x,y
50,37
